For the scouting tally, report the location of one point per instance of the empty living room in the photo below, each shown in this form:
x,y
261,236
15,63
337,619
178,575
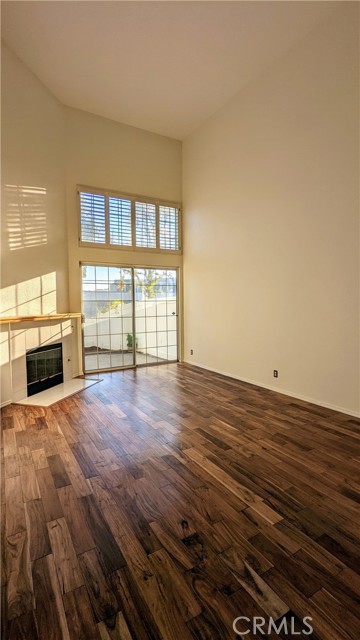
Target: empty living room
x,y
180,320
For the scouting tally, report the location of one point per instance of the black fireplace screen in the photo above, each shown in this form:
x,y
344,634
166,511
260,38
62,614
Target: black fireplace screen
x,y
44,368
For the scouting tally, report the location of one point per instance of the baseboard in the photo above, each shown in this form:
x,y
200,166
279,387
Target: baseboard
x,y
285,392
5,404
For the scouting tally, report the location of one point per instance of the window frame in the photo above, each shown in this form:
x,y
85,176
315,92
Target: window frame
x,y
133,198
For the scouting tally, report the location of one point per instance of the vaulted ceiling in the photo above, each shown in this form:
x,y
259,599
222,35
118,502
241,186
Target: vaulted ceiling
x,y
161,66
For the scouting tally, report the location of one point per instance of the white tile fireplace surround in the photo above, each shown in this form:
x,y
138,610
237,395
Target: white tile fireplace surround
x,y
18,337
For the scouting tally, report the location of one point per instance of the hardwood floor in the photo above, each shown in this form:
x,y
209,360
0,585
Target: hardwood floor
x,y
163,503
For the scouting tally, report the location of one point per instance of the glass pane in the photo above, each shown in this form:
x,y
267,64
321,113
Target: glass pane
x,y
117,359
145,224
116,342
140,325
102,274
91,362
171,323
115,325
161,323
140,342
150,308
127,324
88,273
128,359
151,324
156,298
171,338
163,353
171,306
90,344
169,228
92,217
108,310
104,360
90,327
172,353
162,339
150,340
151,356
114,274
103,326
120,221
140,310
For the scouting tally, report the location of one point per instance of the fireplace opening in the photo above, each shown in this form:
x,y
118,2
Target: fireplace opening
x,y
44,368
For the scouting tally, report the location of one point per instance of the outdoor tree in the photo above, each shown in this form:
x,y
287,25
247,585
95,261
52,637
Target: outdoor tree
x,y
151,278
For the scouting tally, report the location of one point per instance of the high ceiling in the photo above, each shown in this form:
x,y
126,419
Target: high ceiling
x,y
161,66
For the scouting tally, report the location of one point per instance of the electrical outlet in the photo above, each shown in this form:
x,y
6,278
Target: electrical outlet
x,y
276,373
191,352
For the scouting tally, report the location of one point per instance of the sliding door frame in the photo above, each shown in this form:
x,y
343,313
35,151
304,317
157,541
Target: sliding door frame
x,y
123,265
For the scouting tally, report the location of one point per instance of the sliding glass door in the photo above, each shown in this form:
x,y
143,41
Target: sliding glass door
x,y
107,307
130,316
155,315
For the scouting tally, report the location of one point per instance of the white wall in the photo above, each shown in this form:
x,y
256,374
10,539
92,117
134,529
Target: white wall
x,y
271,195
34,256
33,238
106,154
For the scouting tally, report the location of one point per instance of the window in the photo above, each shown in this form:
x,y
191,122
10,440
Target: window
x,y
120,221
130,222
92,208
145,216
169,226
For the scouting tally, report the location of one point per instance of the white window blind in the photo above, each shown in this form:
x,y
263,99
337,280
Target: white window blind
x,y
112,219
168,228
92,217
145,223
120,221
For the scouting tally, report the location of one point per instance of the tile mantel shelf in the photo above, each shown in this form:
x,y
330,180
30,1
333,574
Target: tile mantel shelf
x,y
53,316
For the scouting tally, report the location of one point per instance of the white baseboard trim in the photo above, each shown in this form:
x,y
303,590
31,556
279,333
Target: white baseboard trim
x,y
5,404
326,405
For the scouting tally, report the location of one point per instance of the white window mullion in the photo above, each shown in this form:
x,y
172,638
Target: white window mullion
x,y
179,229
157,227
133,224
107,223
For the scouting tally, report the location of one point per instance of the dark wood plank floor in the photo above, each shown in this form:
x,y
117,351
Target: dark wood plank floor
x,y
163,503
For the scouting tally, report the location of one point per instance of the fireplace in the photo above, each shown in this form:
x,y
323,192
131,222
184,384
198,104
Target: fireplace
x,y
44,368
